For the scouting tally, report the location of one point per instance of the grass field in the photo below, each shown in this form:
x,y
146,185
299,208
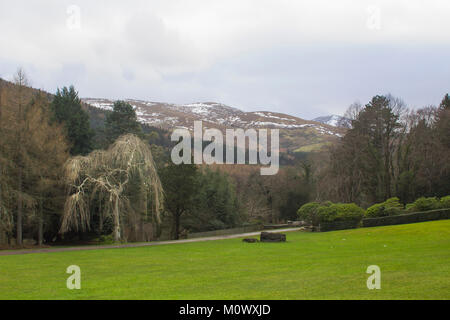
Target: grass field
x,y
414,260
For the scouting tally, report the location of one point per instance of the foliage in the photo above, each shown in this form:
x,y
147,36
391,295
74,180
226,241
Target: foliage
x,y
376,210
340,212
218,206
199,199
316,213
445,202
181,185
390,207
66,107
106,239
309,212
423,204
121,120
361,166
389,151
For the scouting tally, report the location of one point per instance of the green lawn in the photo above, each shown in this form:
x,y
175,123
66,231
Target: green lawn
x,y
414,261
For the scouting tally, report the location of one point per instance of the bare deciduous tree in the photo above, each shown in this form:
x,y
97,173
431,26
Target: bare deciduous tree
x,y
106,175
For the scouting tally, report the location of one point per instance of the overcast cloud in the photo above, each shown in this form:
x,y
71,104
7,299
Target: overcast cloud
x,y
306,58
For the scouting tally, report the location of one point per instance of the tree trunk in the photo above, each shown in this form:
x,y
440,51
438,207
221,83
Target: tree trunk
x,y
387,171
19,210
141,230
100,217
143,216
41,224
177,226
116,220
156,229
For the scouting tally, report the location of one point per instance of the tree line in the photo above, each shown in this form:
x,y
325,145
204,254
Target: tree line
x,y
389,150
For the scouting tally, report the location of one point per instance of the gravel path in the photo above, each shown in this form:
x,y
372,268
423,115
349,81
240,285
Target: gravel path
x,y
140,244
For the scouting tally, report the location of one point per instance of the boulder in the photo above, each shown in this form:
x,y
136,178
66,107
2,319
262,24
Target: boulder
x,y
272,237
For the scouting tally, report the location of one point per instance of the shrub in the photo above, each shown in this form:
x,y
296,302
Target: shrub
x,y
445,202
106,239
340,216
423,204
326,214
377,210
390,207
340,212
308,212
349,212
393,206
327,203
409,207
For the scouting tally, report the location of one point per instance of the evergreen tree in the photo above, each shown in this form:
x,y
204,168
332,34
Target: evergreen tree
x,y
363,163
67,109
443,121
122,120
217,203
180,184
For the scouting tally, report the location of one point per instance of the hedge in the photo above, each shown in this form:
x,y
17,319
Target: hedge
x,y
338,225
430,215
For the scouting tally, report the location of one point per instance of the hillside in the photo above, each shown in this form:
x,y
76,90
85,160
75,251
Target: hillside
x,y
333,120
296,134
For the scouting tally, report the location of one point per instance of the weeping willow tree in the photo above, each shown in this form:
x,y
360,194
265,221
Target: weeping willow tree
x,y
105,175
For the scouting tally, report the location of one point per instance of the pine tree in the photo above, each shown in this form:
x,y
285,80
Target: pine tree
x,y
181,185
67,109
443,121
122,120
363,162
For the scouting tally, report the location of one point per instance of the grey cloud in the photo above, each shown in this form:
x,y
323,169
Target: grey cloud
x,y
307,58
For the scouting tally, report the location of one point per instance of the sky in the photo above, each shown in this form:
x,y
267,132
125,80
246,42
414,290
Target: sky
x,y
304,58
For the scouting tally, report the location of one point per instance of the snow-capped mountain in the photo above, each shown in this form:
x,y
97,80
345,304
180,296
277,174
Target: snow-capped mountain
x,y
332,120
294,132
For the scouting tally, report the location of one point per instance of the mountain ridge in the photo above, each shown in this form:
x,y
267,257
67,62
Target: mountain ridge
x,y
295,133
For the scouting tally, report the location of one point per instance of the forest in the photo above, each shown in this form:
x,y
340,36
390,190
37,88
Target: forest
x,y
71,173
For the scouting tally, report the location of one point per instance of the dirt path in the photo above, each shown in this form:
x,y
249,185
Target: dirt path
x,y
141,244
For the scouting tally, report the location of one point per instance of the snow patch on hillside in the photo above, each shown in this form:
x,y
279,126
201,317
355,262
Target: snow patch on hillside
x,y
168,115
332,120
